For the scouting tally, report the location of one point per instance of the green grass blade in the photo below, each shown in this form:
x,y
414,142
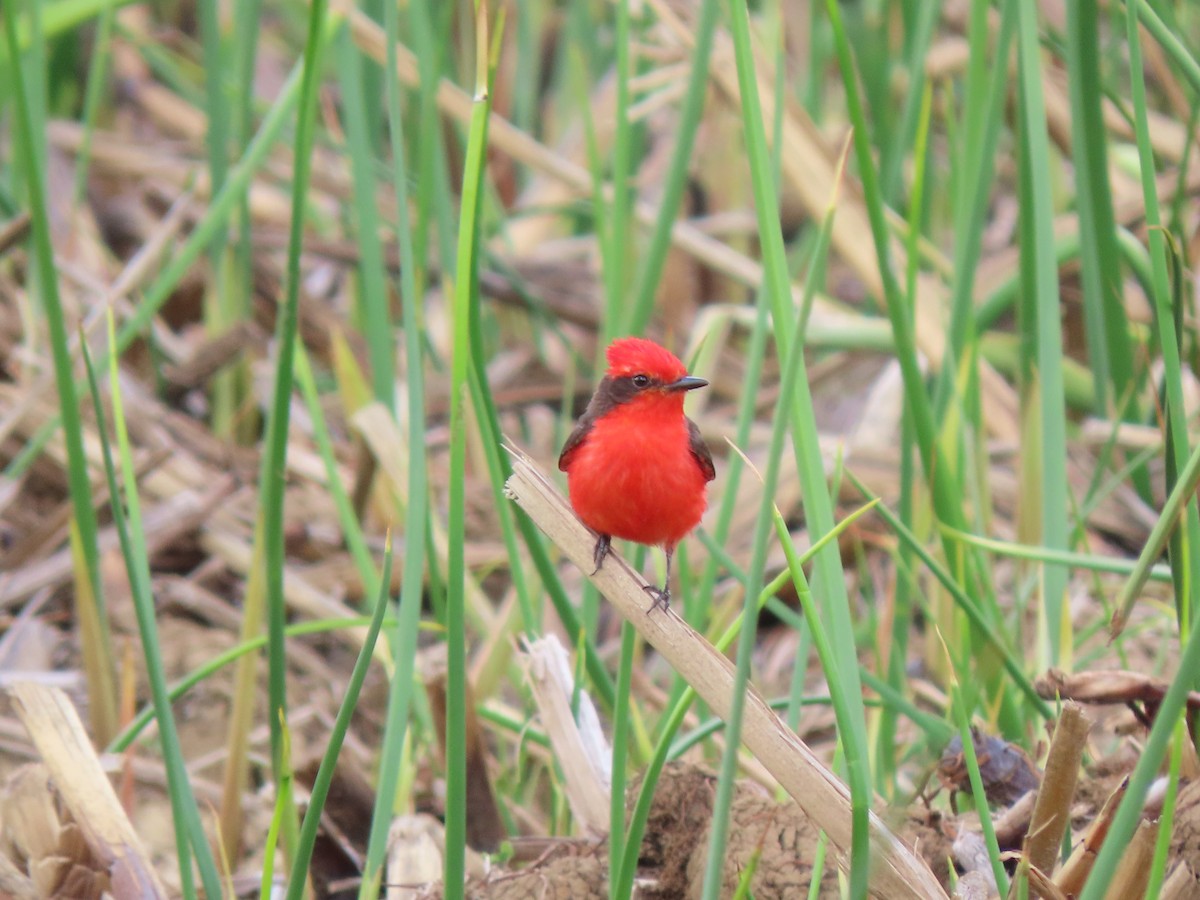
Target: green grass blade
x,y
272,479
986,93
818,508
1185,548
404,635
373,298
1045,332
352,532
337,735
97,647
1067,559
620,757
1179,501
190,838
1166,820
94,95
466,298
1109,346
279,816
1169,40
216,133
978,794
892,152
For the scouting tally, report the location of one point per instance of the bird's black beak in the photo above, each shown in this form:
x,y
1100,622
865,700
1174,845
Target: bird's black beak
x,y
686,383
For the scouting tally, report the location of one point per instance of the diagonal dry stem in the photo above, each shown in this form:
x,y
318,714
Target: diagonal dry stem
x,y
897,872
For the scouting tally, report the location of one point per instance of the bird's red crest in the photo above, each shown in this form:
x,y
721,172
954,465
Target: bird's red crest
x,y
632,356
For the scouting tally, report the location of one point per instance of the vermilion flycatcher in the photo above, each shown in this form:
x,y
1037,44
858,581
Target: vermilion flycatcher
x,y
636,466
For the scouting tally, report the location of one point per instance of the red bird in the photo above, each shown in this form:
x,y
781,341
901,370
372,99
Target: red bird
x,y
636,466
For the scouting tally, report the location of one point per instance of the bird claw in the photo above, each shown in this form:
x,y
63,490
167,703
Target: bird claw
x,y
662,598
602,545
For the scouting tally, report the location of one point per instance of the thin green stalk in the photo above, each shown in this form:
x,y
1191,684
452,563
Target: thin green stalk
x,y
273,477
1178,502
435,208
239,283
488,421
1037,237
620,744
216,134
404,635
352,533
776,286
892,152
373,301
983,112
1068,559
221,297
978,794
1166,820
844,707
466,298
896,649
190,837
97,647
1169,41
1109,347
818,866
337,735
747,407
529,72
280,814
714,871
94,95
1185,548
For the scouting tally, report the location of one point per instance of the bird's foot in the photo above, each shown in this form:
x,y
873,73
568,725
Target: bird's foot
x,y
603,543
662,598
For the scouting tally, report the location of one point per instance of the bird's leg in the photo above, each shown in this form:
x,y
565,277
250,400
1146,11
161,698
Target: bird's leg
x,y
662,596
602,545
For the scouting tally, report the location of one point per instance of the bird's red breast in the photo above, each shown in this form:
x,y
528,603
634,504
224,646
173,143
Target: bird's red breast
x,y
636,466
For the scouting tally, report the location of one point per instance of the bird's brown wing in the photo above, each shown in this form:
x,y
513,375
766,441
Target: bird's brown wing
x,y
610,393
699,450
575,440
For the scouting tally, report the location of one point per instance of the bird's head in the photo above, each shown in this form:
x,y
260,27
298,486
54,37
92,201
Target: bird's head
x,y
638,365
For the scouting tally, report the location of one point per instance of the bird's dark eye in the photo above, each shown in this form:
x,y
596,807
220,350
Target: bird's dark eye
x,y
641,381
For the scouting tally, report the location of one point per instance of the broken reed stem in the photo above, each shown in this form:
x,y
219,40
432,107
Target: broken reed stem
x,y
1052,811
1133,872
896,871
1075,871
